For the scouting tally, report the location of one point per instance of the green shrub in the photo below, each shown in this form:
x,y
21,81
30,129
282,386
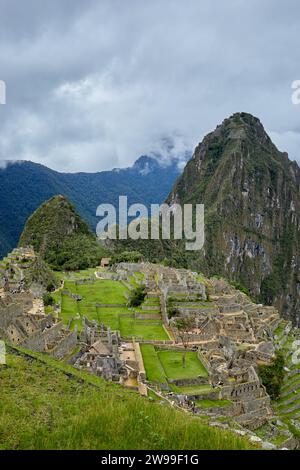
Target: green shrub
x,y
50,287
127,257
270,287
240,287
272,375
137,296
172,312
48,299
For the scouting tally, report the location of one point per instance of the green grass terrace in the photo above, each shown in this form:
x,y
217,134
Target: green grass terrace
x,y
106,302
162,366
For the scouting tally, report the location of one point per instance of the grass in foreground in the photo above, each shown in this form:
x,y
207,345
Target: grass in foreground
x,y
43,408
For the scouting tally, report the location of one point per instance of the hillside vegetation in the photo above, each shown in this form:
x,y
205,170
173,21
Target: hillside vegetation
x,y
61,237
45,404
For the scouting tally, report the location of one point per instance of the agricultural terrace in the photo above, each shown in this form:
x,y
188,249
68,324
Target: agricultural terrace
x,y
106,302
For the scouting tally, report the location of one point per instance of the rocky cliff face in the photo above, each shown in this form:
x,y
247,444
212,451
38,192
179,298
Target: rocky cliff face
x,y
251,193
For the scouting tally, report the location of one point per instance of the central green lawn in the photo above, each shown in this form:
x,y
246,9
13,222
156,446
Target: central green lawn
x,y
103,291
160,365
69,308
146,330
147,312
109,316
153,367
129,327
173,366
83,274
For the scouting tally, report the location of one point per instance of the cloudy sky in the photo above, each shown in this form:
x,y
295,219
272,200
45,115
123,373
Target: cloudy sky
x,y
93,84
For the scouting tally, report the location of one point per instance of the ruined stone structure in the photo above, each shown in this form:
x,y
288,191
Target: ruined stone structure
x,y
38,332
232,333
22,317
11,276
100,352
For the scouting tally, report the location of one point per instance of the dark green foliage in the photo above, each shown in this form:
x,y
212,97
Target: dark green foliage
x,y
50,287
239,286
61,237
269,288
137,296
127,257
48,299
76,253
272,375
172,312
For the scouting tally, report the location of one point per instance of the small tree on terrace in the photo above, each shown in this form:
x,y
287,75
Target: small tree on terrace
x,y
184,326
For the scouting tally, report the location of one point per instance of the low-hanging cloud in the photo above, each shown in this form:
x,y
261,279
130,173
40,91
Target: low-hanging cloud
x,y
92,85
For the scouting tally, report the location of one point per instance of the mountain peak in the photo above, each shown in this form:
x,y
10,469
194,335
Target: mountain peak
x,y
241,120
60,236
250,191
244,124
145,164
240,133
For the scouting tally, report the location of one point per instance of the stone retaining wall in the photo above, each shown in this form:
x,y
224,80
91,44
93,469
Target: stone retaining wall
x,y
140,362
111,305
186,382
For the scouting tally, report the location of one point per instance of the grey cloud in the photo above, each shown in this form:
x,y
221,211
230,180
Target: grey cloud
x,y
92,85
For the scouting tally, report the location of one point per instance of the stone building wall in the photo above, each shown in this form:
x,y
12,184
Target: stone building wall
x,y
35,342
66,346
9,313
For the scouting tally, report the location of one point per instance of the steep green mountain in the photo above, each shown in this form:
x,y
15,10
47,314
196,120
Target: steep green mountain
x,y
24,186
61,237
251,193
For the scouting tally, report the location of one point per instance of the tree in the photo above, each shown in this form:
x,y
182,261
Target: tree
x,y
172,311
272,375
184,326
127,257
50,287
137,296
48,299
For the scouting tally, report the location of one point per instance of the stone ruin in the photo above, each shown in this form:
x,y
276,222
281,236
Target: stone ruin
x,y
232,333
99,352
103,353
38,332
13,269
22,317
